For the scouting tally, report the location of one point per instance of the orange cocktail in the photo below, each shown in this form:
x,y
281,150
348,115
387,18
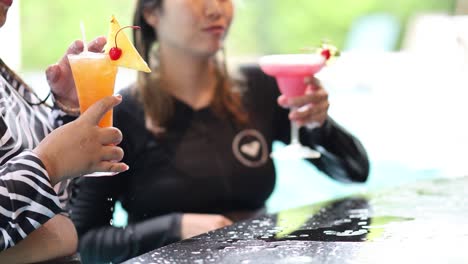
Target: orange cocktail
x,y
94,76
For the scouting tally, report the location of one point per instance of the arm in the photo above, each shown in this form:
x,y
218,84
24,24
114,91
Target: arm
x,y
91,204
62,85
27,198
61,113
56,238
343,156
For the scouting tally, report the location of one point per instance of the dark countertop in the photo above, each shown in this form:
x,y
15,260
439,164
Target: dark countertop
x,y
74,259
424,222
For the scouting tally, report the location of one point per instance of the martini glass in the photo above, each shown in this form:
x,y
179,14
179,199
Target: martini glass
x,y
290,70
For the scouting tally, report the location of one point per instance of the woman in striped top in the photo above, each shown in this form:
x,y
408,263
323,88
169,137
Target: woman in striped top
x,y
33,160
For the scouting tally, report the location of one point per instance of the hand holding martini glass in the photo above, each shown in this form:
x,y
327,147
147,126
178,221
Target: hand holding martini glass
x,y
290,71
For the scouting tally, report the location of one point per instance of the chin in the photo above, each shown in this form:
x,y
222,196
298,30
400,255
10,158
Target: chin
x,y
3,14
215,49
2,21
208,53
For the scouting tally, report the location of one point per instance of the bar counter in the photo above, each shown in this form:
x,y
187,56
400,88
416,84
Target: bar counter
x,y
421,222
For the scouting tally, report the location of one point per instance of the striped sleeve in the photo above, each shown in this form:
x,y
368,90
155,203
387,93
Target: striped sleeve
x,y
59,118
27,199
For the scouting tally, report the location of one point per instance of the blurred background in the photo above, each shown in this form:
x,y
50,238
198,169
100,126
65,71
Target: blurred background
x,y
261,26
400,86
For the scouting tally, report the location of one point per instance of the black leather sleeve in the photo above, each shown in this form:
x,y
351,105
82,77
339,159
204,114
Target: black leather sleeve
x,y
91,211
344,158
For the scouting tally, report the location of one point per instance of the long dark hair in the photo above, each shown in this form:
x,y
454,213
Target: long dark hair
x,y
157,103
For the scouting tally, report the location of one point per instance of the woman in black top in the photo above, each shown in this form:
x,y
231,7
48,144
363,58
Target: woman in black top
x,y
197,145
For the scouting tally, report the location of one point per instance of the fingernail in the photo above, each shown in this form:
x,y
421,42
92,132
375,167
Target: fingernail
x,y
118,96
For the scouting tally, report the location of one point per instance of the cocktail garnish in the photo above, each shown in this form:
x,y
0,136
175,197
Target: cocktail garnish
x,y
328,51
115,52
125,54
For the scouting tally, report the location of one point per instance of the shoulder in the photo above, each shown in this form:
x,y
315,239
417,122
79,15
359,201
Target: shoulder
x,y
258,87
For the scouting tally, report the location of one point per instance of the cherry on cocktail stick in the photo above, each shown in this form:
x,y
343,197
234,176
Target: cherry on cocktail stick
x,y
115,52
326,53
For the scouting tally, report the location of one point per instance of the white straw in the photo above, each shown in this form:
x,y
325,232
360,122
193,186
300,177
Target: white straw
x,y
83,36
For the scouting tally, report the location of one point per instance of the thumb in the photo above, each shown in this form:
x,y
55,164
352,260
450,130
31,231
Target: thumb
x,y
53,73
96,112
314,84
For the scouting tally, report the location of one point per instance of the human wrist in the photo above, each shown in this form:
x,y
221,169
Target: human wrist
x,y
66,106
48,165
322,126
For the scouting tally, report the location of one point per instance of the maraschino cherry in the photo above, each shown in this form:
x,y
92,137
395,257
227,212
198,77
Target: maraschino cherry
x,y
326,53
115,52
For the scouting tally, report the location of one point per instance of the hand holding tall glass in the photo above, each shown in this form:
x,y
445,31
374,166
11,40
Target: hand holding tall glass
x,y
290,71
94,77
94,73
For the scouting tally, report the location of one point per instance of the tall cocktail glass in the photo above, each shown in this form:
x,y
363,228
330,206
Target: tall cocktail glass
x,y
94,76
290,71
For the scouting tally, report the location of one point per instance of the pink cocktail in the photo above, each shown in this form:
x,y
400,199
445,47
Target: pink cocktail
x,y
290,71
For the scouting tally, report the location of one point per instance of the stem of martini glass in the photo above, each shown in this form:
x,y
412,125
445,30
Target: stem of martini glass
x,y
294,132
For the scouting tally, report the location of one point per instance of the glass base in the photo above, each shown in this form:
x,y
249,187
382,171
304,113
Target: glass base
x,y
295,151
101,174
